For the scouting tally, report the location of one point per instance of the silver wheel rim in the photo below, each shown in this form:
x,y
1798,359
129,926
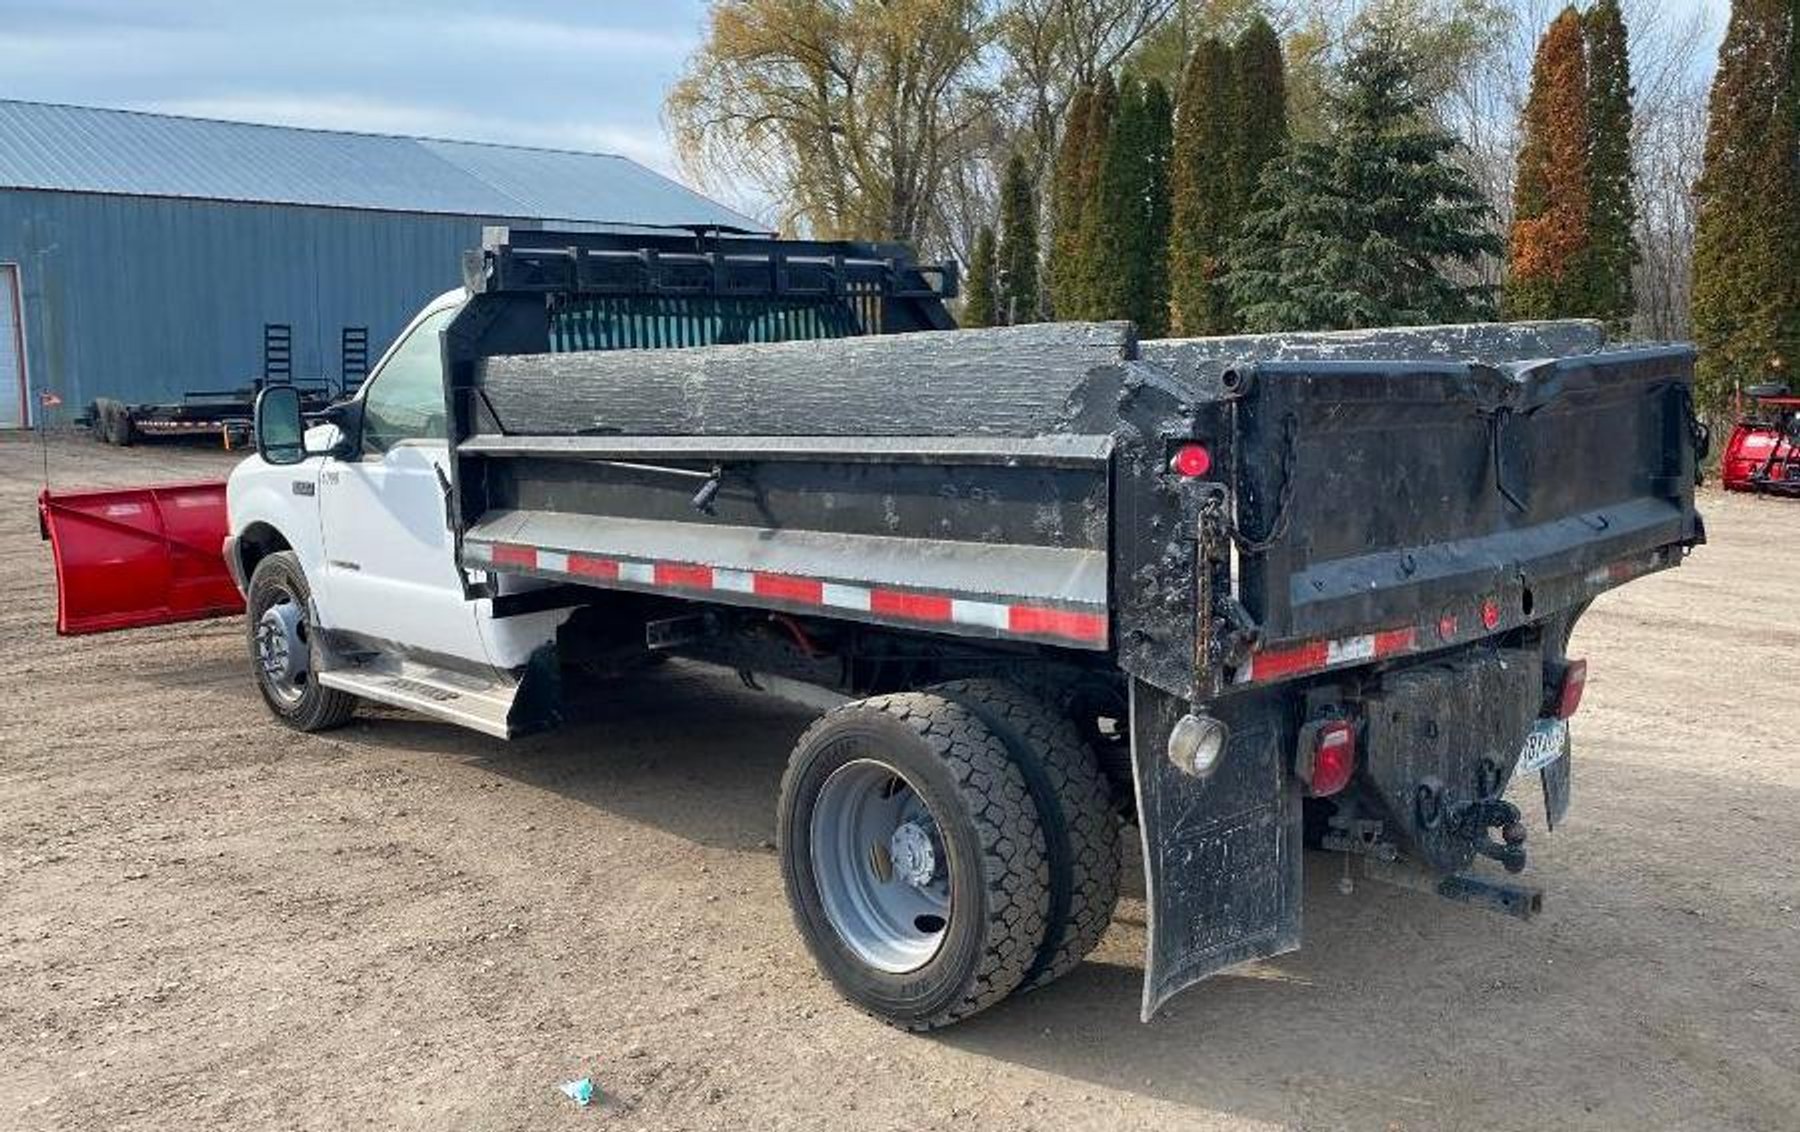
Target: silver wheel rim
x,y
283,649
882,872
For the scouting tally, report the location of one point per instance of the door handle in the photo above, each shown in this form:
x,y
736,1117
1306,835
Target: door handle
x,y
444,484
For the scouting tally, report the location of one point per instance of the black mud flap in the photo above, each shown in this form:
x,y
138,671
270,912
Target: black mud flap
x,y
1222,856
1556,789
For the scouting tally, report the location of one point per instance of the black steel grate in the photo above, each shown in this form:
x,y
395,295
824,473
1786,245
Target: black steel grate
x,y
660,322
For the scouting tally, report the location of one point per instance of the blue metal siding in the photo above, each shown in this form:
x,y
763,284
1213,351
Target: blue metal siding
x,y
141,298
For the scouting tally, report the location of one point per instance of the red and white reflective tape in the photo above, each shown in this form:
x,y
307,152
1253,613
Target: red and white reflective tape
x,y
1316,656
1083,626
1307,657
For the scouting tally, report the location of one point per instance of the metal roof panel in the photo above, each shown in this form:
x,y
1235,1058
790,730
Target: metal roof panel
x,y
86,149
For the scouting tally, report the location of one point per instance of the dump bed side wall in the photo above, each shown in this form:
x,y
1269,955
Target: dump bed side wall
x,y
935,481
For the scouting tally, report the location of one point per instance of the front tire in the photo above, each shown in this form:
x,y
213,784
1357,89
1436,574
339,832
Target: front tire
x,y
913,858
283,653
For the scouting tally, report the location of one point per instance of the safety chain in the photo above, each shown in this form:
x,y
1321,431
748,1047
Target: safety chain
x,y
1284,501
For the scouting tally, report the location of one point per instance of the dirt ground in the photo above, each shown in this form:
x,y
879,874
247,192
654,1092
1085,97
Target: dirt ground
x,y
207,921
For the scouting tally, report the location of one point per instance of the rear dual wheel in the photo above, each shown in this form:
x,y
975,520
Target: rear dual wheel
x,y
936,858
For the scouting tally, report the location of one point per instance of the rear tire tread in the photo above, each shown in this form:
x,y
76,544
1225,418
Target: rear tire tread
x,y
1080,806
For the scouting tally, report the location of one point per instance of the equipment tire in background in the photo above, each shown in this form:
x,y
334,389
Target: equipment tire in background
x,y
984,836
301,703
113,422
1081,826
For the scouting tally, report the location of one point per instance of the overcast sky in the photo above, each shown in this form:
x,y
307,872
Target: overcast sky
x,y
573,74
584,75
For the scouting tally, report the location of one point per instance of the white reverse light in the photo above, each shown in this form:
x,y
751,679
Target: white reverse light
x,y
1196,744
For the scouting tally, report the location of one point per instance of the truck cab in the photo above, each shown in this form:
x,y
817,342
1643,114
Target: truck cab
x,y
374,576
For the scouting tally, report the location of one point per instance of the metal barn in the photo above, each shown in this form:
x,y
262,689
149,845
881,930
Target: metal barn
x,y
141,255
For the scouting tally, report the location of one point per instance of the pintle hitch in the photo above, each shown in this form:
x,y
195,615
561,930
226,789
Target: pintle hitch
x,y
1434,808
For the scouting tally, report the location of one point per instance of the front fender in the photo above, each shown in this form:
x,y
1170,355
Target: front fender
x,y
264,500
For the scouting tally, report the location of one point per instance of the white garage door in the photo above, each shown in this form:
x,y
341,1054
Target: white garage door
x,y
12,354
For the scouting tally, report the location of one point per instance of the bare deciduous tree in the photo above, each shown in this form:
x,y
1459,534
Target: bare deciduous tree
x,y
854,115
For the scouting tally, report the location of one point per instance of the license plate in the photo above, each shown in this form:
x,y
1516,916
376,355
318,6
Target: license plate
x,y
1547,742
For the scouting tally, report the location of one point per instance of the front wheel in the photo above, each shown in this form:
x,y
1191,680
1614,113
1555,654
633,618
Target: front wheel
x,y
283,653
914,859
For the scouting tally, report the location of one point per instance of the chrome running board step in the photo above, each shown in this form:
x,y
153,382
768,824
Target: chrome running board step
x,y
483,704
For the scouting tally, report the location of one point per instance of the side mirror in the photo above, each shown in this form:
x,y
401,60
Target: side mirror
x,y
280,429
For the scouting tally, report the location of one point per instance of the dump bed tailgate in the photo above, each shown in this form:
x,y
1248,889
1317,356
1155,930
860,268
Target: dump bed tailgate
x,y
1405,505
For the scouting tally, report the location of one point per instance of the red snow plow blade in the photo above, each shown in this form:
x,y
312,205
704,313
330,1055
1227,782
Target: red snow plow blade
x,y
133,556
1763,453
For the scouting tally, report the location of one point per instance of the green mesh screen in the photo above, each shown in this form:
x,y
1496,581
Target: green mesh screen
x,y
655,322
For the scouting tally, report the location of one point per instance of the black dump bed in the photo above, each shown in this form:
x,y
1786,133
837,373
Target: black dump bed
x,y
1370,494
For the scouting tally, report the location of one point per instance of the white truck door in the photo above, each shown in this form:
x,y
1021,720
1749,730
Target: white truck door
x,y
389,561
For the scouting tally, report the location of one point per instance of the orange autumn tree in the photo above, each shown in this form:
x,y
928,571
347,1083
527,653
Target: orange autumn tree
x,y
1552,232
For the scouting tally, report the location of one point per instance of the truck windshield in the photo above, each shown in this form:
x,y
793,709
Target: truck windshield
x,y
653,322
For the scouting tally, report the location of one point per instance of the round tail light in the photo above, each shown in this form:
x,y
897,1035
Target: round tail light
x,y
1191,461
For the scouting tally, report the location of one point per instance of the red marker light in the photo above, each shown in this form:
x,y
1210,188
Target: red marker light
x,y
1334,758
1490,613
1446,626
1191,461
1574,682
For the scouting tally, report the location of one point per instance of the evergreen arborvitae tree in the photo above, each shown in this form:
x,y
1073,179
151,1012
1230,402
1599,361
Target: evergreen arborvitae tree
x,y
1203,221
1258,110
1611,195
1152,314
1067,203
1085,269
1550,253
1118,233
1018,244
1746,287
1132,212
1355,231
982,307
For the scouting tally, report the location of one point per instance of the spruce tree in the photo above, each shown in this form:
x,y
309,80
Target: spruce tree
x,y
1355,231
982,307
1550,252
1746,287
1018,244
1087,301
1258,110
1203,221
1066,207
1612,198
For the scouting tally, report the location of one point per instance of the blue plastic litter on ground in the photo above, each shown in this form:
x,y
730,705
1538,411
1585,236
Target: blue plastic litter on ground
x,y
581,1092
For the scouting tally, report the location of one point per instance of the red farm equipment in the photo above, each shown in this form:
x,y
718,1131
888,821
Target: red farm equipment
x,y
1763,454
